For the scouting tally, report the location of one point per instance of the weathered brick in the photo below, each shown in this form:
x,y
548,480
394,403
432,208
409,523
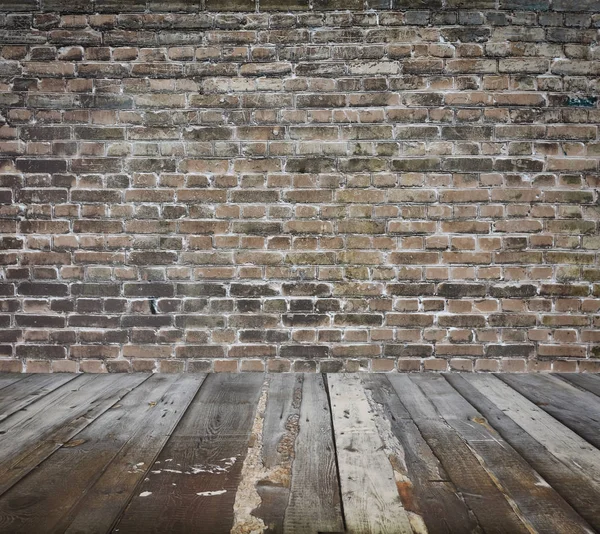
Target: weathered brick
x,y
352,179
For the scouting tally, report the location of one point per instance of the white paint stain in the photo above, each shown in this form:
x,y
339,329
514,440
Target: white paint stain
x,y
211,493
145,493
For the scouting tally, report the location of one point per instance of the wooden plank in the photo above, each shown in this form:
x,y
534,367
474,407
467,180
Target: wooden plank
x,y
576,409
315,502
21,394
587,382
279,438
533,499
6,379
28,440
101,505
493,511
370,498
192,485
425,488
562,442
578,491
41,503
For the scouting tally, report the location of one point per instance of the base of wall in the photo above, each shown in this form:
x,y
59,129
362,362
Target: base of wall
x,y
280,365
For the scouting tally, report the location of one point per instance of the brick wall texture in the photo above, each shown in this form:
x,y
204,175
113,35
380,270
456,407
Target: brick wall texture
x,y
320,185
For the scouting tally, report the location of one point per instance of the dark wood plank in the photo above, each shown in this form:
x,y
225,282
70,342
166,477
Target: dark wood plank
x,y
537,503
19,395
37,503
577,490
314,484
6,379
587,382
27,439
576,409
370,498
192,485
424,486
561,441
493,511
103,502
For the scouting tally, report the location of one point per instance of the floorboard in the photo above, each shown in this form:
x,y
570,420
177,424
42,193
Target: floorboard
x,y
101,506
368,481
192,485
300,453
424,486
576,409
27,440
586,382
480,491
576,489
538,505
562,442
18,395
314,481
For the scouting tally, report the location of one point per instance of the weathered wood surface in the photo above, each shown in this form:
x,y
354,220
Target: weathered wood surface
x,y
586,382
294,453
425,488
41,501
191,486
562,442
577,490
536,503
102,504
576,409
314,484
481,493
28,440
368,481
6,379
18,395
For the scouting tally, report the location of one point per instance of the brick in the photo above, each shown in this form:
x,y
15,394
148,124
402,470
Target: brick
x,y
299,176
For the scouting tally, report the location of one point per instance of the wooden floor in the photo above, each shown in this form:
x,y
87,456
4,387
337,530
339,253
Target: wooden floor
x,y
300,453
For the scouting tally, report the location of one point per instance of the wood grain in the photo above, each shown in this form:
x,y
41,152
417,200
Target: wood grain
x,y
191,486
582,495
480,492
370,497
27,439
101,505
15,396
586,382
41,502
314,484
425,488
566,445
533,499
576,409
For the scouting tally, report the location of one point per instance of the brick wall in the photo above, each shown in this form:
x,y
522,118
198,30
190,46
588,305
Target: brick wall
x,y
223,185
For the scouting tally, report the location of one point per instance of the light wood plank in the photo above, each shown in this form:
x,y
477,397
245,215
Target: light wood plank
x,y
534,500
425,488
28,440
370,497
101,505
575,489
562,442
314,501
192,485
587,382
576,409
19,395
493,511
